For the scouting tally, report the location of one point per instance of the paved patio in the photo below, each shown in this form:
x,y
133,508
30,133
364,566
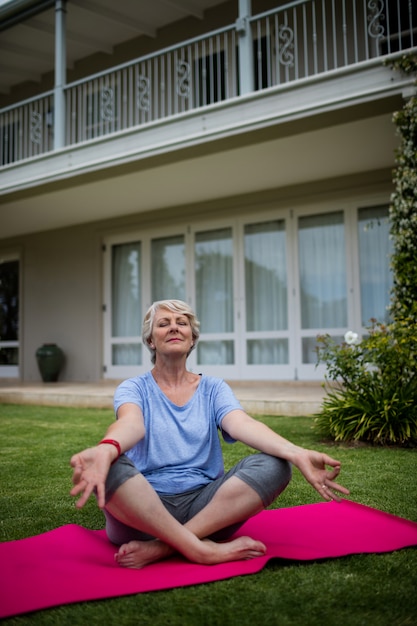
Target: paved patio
x,y
257,397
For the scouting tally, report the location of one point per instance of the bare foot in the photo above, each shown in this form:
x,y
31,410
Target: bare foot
x,y
240,549
137,554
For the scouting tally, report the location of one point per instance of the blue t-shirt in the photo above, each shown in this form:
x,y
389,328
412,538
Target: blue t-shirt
x,y
181,450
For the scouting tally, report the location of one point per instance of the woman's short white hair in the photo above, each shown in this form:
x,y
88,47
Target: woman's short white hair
x,y
176,306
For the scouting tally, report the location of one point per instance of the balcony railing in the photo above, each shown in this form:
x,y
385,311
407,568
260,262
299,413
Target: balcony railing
x,y
175,80
26,129
302,39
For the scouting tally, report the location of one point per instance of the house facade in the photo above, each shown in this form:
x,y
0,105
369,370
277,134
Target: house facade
x,y
236,155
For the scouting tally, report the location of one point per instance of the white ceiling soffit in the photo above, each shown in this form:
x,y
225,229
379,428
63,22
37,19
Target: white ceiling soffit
x,y
27,30
368,145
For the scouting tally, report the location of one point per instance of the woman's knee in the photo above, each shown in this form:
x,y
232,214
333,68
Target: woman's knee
x,y
267,474
118,474
276,467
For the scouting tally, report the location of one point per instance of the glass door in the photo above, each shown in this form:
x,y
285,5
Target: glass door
x,y
126,304
9,318
138,271
322,285
375,274
168,268
214,296
266,315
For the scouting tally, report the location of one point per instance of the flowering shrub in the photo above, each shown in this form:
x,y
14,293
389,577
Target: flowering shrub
x,y
374,391
371,385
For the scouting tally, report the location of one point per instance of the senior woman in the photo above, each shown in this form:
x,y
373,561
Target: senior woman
x,y
158,472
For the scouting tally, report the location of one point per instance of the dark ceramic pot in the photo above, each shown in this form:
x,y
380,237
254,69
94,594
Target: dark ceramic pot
x,y
50,359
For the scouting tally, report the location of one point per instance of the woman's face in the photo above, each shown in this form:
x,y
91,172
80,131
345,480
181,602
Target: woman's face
x,y
171,333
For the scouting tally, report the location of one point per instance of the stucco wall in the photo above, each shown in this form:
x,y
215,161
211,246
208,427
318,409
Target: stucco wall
x,y
61,299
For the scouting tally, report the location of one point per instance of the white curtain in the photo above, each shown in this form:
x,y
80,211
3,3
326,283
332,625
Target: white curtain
x,y
168,268
215,352
266,277
322,260
126,302
214,294
266,294
214,280
375,249
267,351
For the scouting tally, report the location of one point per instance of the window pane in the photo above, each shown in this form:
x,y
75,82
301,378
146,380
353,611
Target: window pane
x,y
322,271
214,280
9,356
215,353
168,268
267,351
266,276
9,301
127,354
375,249
126,293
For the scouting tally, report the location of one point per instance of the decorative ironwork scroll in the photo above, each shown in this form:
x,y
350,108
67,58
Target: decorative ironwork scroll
x,y
143,101
375,16
286,48
36,127
107,104
183,82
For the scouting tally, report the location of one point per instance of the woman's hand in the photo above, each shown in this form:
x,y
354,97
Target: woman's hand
x,y
91,467
314,467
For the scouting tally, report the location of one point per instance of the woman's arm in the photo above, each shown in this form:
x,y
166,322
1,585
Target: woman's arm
x,y
92,465
313,465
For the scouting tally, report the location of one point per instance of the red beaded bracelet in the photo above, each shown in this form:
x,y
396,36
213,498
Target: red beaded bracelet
x,y
114,443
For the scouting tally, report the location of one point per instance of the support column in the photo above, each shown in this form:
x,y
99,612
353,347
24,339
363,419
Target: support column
x,y
246,68
60,74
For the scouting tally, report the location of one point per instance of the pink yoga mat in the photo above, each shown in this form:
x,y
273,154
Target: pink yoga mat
x,y
73,564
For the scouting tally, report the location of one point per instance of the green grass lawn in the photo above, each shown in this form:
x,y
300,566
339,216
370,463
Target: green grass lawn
x,y
381,589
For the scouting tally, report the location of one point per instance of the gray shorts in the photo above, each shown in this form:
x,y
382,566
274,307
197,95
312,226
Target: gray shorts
x,y
266,474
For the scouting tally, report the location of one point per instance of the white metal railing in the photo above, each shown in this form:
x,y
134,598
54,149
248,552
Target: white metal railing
x,y
310,37
177,79
26,129
303,38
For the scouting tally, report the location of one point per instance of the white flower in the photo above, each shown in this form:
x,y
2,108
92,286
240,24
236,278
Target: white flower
x,y
351,337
